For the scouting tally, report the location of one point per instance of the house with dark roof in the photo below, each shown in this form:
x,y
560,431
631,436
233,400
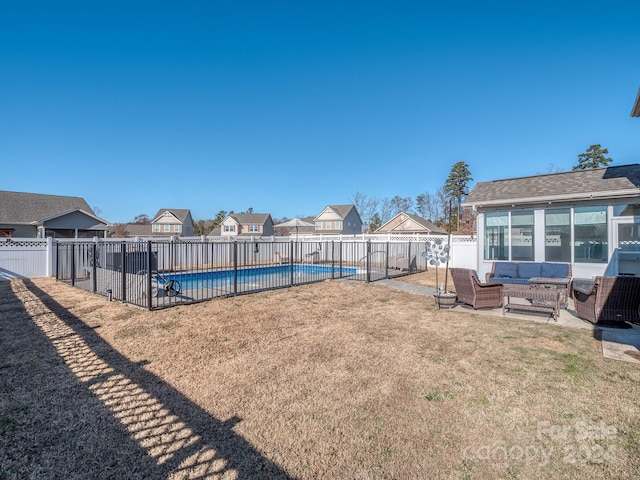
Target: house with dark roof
x,y
588,218
408,223
247,224
172,222
35,215
338,219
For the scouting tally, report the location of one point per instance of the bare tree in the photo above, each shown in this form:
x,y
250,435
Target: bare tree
x,y
401,204
386,210
366,206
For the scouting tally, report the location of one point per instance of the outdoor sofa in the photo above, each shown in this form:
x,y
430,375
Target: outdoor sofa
x,y
525,273
608,300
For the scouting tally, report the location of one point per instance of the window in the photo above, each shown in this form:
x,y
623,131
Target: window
x,y
254,228
176,228
327,225
590,235
156,227
522,235
167,228
557,235
338,225
318,225
496,245
229,228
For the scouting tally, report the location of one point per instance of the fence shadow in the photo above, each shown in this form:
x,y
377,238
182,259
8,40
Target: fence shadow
x,y
73,407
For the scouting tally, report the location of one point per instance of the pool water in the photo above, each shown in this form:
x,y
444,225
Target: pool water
x,y
269,276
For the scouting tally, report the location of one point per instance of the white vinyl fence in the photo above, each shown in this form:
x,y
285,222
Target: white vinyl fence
x,y
34,257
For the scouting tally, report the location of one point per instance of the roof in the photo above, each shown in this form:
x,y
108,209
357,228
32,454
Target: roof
x,y
396,224
610,182
635,112
180,213
25,208
250,218
341,210
138,229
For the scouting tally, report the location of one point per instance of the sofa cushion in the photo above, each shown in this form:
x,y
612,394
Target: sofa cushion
x,y
554,270
529,270
506,270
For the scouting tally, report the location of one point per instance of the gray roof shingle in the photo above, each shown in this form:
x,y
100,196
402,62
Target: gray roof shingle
x,y
606,182
19,207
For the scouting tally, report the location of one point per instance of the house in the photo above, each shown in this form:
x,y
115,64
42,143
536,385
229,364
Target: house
x,y
588,218
172,222
635,112
247,224
338,219
35,215
409,224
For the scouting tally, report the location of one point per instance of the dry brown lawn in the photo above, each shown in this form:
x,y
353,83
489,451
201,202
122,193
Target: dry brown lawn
x,y
331,380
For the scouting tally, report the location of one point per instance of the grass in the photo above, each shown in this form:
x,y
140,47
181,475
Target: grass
x,y
331,380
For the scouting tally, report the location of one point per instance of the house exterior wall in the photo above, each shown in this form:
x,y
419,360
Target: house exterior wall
x,y
230,223
349,225
168,224
21,231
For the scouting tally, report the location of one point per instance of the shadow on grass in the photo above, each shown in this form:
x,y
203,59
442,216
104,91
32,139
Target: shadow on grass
x,y
73,407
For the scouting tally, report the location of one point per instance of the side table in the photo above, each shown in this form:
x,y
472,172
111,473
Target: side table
x,y
559,284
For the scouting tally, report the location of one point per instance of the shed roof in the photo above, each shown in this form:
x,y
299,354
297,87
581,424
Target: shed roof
x,y
610,182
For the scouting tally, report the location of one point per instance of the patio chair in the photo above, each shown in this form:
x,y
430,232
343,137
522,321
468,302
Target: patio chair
x,y
280,258
313,257
472,292
609,300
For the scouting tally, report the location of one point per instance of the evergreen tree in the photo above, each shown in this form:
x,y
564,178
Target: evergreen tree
x,y
456,187
594,157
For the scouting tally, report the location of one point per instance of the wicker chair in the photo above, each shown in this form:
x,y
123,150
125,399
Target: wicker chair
x,y
474,293
612,300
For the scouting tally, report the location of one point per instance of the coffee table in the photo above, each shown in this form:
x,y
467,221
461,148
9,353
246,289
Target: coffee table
x,y
539,300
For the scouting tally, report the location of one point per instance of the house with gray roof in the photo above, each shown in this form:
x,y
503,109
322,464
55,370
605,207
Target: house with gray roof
x,y
247,224
338,219
408,223
588,218
172,222
35,215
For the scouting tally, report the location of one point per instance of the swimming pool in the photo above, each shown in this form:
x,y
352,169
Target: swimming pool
x,y
267,277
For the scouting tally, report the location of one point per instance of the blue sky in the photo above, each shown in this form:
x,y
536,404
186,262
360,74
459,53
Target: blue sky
x,y
289,106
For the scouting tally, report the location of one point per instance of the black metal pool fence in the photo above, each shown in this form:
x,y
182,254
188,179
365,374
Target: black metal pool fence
x,y
157,274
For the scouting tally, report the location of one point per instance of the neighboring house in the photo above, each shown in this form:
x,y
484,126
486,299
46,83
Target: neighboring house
x,y
339,219
247,224
138,229
579,217
635,112
407,223
35,215
172,222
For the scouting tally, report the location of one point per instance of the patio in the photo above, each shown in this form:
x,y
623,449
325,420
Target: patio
x,y
617,343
